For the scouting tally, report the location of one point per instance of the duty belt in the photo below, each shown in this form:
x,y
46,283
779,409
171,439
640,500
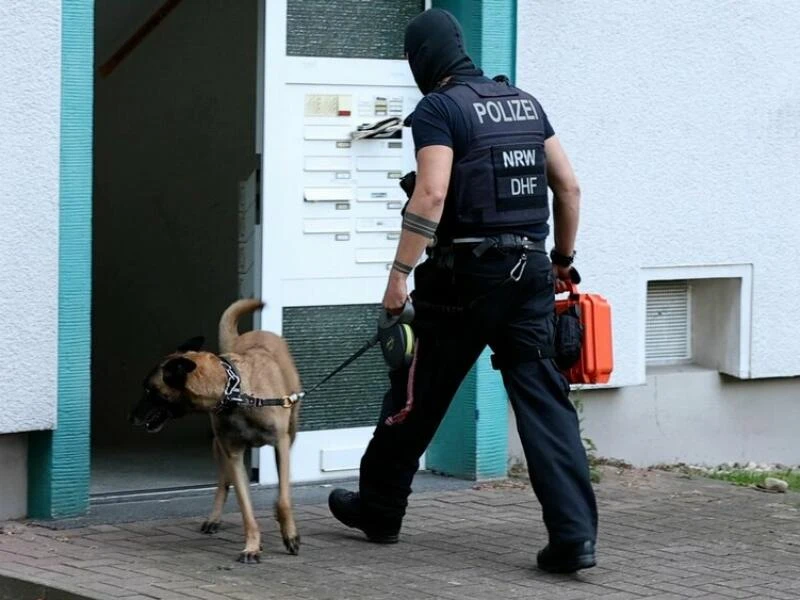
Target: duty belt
x,y
444,255
500,241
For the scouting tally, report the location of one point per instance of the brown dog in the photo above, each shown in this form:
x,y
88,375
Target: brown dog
x,y
251,392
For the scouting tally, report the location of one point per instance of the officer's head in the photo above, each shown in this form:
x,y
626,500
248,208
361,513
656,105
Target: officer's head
x,y
434,45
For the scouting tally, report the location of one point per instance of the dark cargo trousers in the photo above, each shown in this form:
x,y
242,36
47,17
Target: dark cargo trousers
x,y
515,319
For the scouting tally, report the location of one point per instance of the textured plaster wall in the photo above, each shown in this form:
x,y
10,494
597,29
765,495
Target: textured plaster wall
x,y
682,120
30,84
694,416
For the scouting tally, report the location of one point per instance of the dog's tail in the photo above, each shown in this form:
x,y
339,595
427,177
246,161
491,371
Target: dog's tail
x,y
228,323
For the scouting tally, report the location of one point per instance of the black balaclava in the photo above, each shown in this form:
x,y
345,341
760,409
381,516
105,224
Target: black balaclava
x,y
434,42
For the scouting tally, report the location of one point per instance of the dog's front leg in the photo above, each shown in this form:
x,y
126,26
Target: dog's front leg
x,y
211,525
283,507
252,535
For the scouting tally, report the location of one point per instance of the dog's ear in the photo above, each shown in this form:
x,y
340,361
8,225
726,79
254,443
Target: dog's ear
x,y
192,345
174,372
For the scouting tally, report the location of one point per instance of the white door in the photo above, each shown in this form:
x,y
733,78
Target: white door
x,y
330,204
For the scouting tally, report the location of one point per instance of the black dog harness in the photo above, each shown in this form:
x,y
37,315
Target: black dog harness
x,y
233,395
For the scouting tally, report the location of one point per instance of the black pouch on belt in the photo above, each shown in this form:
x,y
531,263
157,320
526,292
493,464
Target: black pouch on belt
x,y
569,333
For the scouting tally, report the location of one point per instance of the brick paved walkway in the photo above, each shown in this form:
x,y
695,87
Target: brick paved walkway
x,y
662,536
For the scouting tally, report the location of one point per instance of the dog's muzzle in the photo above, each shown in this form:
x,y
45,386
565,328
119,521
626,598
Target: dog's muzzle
x,y
155,420
152,412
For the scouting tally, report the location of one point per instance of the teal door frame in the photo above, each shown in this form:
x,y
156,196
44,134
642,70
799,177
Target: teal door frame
x,y
58,460
472,441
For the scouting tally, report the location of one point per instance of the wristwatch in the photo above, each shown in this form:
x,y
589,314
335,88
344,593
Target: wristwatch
x,y
560,259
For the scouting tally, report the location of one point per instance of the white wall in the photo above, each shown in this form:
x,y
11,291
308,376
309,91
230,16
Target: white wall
x,y
174,134
30,105
682,120
694,416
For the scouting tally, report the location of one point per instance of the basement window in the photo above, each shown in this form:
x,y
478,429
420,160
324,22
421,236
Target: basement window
x,y
699,316
668,329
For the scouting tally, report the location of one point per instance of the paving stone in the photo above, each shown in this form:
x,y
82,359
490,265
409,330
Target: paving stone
x,y
726,592
661,537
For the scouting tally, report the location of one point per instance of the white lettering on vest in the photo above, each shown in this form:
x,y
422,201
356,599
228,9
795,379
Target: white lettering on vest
x,y
506,111
480,110
519,158
523,186
518,106
493,108
506,118
530,110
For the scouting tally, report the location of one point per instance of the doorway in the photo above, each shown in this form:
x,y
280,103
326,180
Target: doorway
x,y
174,135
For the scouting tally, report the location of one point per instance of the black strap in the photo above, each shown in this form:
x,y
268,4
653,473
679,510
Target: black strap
x,y
484,246
233,395
540,353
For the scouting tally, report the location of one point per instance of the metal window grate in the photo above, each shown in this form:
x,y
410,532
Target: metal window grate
x,y
668,327
320,338
349,29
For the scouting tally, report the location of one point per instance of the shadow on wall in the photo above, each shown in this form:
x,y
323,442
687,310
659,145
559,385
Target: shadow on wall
x,y
174,134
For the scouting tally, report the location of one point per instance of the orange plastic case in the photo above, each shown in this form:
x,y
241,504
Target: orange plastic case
x,y
597,354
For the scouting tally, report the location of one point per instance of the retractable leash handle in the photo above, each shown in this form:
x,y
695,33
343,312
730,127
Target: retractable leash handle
x,y
387,320
396,337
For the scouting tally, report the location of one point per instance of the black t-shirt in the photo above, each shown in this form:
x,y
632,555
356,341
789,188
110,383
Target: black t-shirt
x,y
438,121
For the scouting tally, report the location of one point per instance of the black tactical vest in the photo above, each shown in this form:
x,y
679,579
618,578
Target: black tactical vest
x,y
500,184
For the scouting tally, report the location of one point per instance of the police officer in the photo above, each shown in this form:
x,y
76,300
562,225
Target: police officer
x,y
486,155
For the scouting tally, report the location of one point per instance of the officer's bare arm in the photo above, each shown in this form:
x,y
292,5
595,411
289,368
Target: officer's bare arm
x,y
424,210
566,196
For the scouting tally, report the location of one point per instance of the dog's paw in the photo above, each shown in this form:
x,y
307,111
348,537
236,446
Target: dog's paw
x,y
249,558
210,527
292,545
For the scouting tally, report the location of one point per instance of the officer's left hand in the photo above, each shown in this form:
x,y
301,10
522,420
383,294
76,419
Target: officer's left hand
x,y
396,295
563,278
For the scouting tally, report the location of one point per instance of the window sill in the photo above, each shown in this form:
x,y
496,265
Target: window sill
x,y
673,368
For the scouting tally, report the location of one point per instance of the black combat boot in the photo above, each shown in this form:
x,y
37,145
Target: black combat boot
x,y
346,507
567,558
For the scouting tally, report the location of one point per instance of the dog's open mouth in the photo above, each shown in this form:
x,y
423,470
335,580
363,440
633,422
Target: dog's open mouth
x,y
155,419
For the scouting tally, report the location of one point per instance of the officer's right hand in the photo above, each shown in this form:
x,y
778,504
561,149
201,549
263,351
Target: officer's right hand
x,y
396,295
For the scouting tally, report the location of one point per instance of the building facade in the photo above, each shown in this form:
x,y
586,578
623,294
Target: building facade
x,y
653,105
143,190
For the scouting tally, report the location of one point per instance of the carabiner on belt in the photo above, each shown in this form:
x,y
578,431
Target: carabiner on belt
x,y
519,268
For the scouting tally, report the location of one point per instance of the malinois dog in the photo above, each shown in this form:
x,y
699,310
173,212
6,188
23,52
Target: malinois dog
x,y
251,391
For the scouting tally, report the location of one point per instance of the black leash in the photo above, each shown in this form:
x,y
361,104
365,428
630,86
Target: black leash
x,y
385,321
367,345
